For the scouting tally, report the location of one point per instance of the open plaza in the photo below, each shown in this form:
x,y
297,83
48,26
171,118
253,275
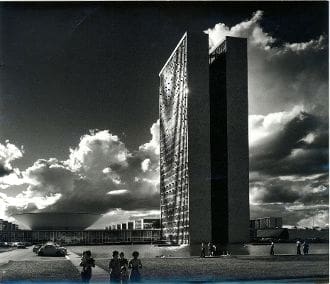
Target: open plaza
x,y
23,265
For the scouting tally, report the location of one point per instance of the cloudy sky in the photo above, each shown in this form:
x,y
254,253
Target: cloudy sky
x,y
79,104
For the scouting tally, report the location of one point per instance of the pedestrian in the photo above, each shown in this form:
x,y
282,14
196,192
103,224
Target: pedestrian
x,y
298,247
209,247
114,266
203,250
272,248
123,268
135,264
87,262
305,247
214,250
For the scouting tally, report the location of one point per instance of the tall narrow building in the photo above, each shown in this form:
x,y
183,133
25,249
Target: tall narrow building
x,y
203,169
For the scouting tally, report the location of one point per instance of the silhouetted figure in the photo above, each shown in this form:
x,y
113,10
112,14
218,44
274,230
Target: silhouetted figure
x,y
203,250
214,250
135,265
298,248
123,268
87,262
305,247
114,266
272,249
209,247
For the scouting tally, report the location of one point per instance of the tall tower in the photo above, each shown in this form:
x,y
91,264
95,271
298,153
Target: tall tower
x,y
229,141
198,190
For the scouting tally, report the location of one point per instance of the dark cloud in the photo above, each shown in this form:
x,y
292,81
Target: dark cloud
x,y
4,171
285,152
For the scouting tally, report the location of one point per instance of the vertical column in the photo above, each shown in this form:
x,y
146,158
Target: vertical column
x,y
237,133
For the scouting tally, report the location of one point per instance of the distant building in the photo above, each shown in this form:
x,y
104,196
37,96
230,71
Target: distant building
x,y
292,235
83,237
8,226
130,225
138,224
266,223
151,223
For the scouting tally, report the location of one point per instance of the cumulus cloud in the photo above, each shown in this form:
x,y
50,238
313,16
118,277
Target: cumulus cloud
x,y
9,175
100,174
280,75
289,166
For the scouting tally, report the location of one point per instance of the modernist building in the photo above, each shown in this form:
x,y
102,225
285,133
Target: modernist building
x,y
204,188
266,223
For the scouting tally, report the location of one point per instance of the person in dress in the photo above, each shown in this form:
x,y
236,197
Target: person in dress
x,y
123,268
135,265
114,267
87,262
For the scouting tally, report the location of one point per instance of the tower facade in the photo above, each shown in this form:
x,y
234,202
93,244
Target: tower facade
x,y
198,201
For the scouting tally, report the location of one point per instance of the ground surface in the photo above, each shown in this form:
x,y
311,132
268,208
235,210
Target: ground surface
x,y
230,268
23,264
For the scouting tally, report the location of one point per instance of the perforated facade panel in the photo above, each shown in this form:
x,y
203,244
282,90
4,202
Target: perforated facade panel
x,y
174,177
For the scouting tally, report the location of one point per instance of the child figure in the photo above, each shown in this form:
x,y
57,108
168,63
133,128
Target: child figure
x,y
123,268
87,262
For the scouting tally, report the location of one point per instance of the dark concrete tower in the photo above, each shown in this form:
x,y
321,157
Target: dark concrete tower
x,y
229,141
201,177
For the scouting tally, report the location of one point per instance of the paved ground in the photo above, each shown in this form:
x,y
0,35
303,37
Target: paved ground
x,y
23,264
233,268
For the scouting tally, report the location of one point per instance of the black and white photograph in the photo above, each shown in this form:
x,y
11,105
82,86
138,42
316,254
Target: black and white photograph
x,y
164,142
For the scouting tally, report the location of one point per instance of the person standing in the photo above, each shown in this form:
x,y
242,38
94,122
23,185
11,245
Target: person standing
x,y
298,248
272,248
87,262
135,265
209,247
123,268
203,250
305,247
114,266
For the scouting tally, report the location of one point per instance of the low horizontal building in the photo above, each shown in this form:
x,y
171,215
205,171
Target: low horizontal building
x,y
83,237
285,234
139,224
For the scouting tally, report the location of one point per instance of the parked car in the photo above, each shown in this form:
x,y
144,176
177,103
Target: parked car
x,y
36,248
63,249
50,250
20,246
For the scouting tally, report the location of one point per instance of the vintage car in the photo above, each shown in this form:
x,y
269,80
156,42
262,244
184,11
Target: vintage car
x,y
21,245
51,249
36,248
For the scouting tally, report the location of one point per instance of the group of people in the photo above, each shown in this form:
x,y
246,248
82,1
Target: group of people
x,y
211,250
305,246
119,267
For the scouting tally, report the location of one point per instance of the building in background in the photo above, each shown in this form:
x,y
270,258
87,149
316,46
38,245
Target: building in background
x,y
204,166
266,223
138,224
